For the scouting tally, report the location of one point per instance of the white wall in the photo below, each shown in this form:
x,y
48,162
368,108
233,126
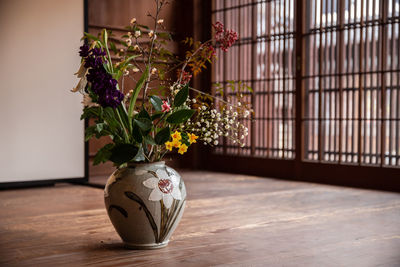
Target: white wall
x,y
41,136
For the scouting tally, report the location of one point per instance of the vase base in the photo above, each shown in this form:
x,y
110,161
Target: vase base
x,y
146,246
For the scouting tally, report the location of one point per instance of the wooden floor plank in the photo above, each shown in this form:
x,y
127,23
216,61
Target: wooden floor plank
x,y
230,220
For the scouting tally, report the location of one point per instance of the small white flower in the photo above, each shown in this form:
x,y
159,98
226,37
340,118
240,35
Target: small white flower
x,y
235,114
135,69
239,104
203,129
151,33
246,113
209,140
128,42
202,120
227,127
126,72
198,124
153,71
164,187
203,107
242,137
129,35
242,145
133,20
137,34
213,115
160,21
136,48
215,142
194,101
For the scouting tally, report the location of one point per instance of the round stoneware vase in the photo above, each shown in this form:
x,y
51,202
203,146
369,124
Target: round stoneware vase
x,y
145,203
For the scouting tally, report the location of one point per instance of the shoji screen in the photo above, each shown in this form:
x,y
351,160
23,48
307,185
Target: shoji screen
x,y
41,136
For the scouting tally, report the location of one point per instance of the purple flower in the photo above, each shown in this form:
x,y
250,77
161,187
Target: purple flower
x,y
84,50
102,83
97,52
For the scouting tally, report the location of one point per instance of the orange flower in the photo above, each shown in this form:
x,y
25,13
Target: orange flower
x,y
192,138
176,136
169,145
176,143
182,149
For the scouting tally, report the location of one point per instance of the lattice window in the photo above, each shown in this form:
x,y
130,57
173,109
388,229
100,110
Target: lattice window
x,y
264,59
352,81
348,86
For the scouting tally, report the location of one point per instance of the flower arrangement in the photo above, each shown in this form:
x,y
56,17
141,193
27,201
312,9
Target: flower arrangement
x,y
162,112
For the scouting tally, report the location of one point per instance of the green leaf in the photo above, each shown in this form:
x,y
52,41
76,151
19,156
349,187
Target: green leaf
x,y
143,123
156,115
143,114
136,91
92,112
137,135
149,140
103,154
140,155
180,116
100,127
164,35
113,48
90,37
162,136
89,132
156,102
181,96
123,153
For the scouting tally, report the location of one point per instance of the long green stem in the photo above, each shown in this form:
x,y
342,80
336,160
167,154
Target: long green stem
x,y
123,126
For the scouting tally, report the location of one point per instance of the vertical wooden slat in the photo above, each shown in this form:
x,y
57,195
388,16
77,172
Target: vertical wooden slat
x,y
284,82
299,137
239,55
398,98
383,28
320,137
268,77
340,67
253,73
360,84
224,78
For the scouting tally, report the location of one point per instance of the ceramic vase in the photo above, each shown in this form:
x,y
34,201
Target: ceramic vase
x,y
145,203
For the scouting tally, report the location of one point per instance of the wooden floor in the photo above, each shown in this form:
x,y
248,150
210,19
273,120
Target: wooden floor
x,y
230,220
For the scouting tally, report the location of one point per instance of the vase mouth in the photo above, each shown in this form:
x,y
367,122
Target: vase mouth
x,y
140,164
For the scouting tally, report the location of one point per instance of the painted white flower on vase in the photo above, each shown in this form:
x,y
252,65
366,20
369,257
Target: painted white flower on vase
x,y
164,187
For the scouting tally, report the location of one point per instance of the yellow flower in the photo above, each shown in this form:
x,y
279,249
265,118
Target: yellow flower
x,y
169,145
182,149
176,136
176,143
192,138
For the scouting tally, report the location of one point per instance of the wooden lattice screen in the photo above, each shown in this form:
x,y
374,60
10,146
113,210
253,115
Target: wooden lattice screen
x,y
346,79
